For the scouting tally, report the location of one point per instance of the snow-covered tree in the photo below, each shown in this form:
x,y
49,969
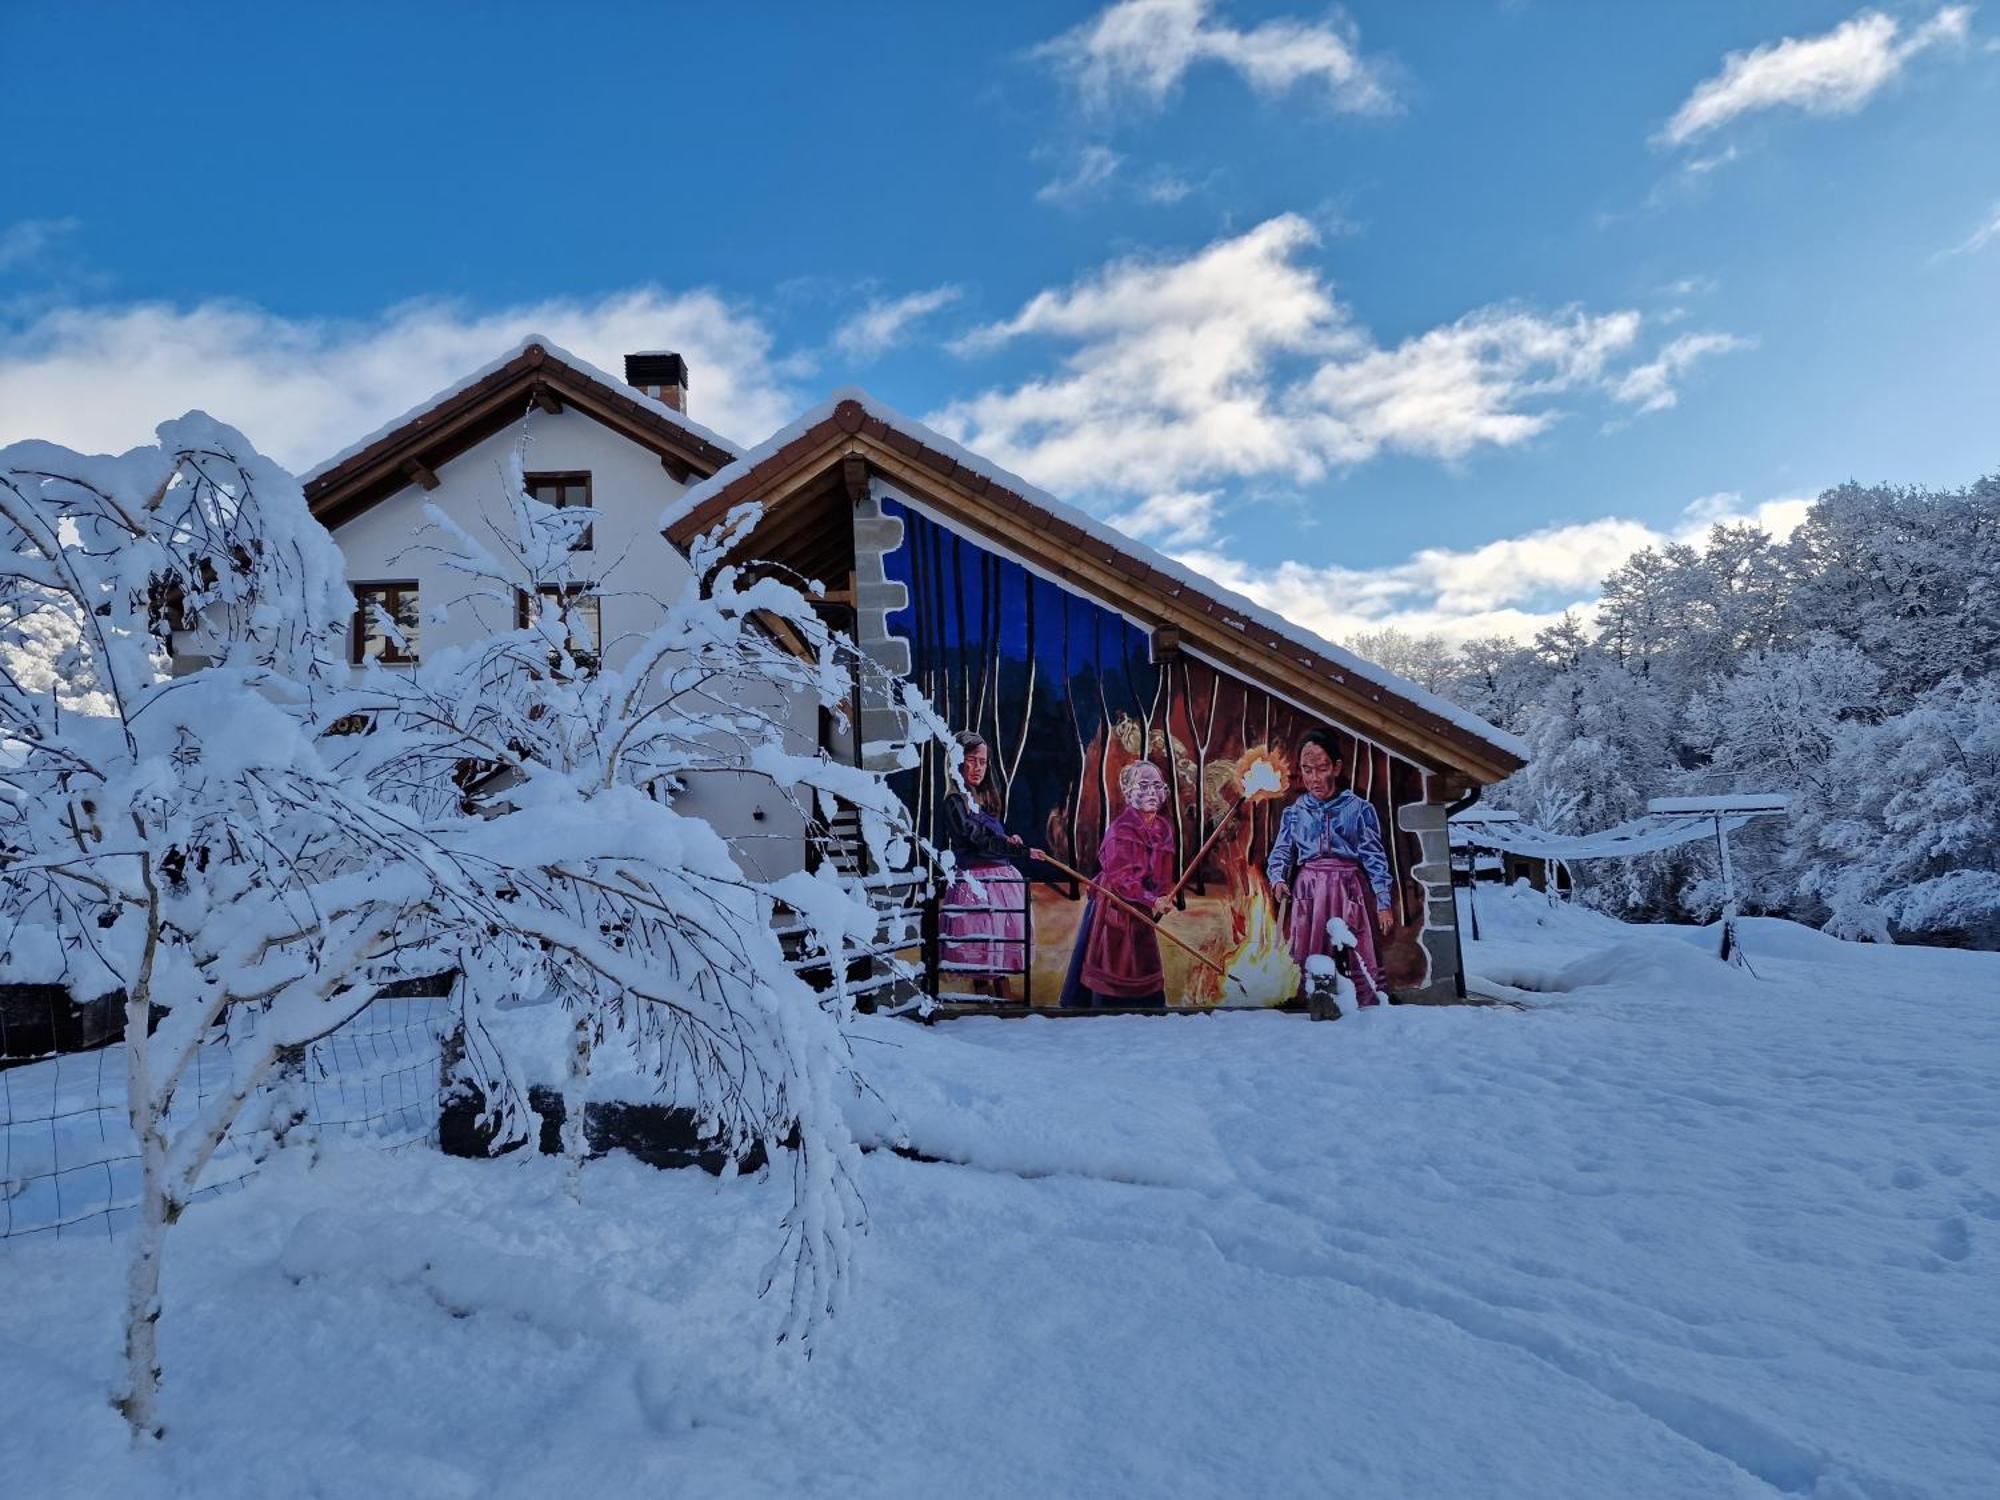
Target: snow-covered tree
x,y
1909,577
1774,725
1907,841
1427,660
726,680
1603,744
246,842
1750,664
1495,676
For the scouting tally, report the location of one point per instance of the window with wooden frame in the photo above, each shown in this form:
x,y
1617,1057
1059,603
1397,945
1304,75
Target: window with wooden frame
x,y
580,612
567,490
387,623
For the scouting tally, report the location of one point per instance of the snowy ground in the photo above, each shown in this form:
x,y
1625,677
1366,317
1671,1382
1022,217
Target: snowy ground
x,y
1668,1231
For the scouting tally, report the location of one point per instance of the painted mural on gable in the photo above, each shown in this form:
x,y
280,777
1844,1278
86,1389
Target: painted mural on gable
x,y
1135,834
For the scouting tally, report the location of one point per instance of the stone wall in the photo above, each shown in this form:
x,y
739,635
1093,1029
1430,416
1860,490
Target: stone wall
x,y
876,597
1426,820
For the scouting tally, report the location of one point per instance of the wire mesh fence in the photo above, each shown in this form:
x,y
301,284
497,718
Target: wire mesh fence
x,y
69,1163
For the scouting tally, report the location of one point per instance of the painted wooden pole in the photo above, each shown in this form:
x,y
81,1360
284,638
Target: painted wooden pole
x,y
1200,854
1132,911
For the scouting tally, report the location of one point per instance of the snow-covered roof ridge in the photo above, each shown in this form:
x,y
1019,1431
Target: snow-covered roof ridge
x,y
1347,661
552,351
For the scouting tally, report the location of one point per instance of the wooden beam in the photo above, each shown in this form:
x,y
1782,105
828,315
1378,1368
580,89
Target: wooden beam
x,y
677,471
594,403
1164,645
854,478
418,470
547,400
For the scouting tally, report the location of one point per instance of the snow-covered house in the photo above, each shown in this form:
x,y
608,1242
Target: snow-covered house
x,y
625,449
1072,652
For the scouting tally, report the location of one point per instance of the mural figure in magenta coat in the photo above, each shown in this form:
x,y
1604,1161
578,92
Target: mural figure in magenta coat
x,y
1116,962
983,928
1328,858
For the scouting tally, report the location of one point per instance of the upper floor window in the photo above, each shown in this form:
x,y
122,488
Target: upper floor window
x,y
387,622
564,490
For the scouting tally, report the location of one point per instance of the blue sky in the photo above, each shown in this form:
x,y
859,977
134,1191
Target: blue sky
x,y
1409,314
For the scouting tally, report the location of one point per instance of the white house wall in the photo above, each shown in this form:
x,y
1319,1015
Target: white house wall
x,y
628,488
640,570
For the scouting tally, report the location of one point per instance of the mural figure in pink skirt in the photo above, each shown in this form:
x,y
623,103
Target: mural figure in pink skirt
x,y
1116,962
983,926
1329,859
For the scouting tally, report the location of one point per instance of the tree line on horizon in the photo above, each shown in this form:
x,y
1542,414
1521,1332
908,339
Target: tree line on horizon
x,y
1854,665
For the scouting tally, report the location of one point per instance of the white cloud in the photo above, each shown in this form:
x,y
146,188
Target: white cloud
x,y
1779,516
1173,518
1979,239
1651,386
1143,49
1690,286
1834,73
100,378
886,322
1512,586
1239,362
1450,390
26,240
1094,169
1165,187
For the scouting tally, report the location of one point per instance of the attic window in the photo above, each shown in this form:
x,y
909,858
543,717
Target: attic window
x,y
564,490
376,607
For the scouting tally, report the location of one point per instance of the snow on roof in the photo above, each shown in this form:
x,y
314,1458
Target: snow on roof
x,y
555,352
692,500
1734,802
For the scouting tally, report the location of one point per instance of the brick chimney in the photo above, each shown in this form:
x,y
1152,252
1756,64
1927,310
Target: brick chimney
x,y
660,374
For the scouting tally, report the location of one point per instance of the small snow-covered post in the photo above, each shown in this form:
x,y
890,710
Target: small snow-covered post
x,y
1329,987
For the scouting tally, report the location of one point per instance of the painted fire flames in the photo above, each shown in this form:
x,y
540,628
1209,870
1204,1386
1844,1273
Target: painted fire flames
x,y
1261,970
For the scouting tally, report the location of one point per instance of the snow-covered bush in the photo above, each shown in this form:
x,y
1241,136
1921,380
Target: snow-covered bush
x,y
204,811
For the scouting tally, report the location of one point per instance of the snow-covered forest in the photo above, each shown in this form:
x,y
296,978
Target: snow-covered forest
x,y
1854,665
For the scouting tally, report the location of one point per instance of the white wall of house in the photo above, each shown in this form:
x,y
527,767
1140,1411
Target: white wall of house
x,y
633,564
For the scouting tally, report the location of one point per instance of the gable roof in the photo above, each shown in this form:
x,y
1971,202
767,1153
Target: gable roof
x,y
535,372
1062,542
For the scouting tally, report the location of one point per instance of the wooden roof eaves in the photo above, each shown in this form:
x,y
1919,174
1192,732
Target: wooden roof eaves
x,y
1056,546
434,436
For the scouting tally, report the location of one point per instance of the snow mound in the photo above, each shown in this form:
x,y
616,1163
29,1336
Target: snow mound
x,y
938,1092
1658,966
